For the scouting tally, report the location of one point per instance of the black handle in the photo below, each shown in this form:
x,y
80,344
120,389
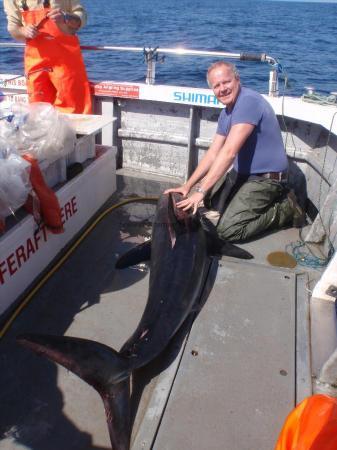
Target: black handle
x,y
252,57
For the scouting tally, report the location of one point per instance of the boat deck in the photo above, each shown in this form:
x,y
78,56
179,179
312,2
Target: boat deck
x,y
226,382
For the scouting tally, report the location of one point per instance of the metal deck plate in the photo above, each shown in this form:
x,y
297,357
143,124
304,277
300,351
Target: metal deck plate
x,y
236,381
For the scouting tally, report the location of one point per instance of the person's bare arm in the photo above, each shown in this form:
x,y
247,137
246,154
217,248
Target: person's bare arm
x,y
203,167
21,33
225,158
220,165
68,23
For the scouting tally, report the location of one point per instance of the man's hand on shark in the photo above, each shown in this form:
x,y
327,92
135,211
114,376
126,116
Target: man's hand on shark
x,y
192,202
183,190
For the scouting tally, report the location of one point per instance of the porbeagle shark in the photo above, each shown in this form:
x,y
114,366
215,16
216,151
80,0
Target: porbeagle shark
x,y
179,262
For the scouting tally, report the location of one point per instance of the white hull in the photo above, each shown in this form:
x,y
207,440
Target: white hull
x,y
25,254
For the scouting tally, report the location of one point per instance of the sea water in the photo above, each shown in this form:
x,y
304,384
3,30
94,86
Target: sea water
x,y
302,36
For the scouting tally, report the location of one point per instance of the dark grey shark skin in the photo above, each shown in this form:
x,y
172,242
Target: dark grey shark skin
x,y
215,247
178,268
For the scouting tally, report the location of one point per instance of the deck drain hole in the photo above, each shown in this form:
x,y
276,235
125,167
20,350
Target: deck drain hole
x,y
284,373
194,353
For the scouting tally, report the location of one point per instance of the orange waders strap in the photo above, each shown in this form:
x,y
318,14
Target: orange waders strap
x,y
312,425
48,202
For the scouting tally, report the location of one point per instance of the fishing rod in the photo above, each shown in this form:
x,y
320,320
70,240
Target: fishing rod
x,y
153,55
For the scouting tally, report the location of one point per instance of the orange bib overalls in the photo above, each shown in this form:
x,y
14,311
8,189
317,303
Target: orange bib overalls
x,y
54,66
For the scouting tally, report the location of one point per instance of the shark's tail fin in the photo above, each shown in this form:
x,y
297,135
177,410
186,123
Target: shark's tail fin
x,y
101,367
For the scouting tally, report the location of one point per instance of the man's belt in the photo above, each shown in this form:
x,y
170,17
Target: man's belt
x,y
278,176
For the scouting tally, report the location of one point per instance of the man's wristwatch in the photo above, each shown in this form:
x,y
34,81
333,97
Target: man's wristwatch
x,y
201,190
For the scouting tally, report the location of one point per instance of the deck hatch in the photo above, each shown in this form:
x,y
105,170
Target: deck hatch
x,y
239,362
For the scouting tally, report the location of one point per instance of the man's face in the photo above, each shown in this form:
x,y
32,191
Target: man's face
x,y
225,85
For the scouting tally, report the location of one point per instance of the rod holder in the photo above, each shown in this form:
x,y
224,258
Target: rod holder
x,y
150,56
273,83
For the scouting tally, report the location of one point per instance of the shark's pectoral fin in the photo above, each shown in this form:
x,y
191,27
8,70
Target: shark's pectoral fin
x,y
136,255
229,249
219,247
101,367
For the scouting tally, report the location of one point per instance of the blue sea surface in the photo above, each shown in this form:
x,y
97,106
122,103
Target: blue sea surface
x,y
302,36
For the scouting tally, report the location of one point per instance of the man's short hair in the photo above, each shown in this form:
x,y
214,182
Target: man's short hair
x,y
217,64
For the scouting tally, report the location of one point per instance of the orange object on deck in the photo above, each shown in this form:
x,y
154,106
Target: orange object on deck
x,y
54,66
49,207
312,425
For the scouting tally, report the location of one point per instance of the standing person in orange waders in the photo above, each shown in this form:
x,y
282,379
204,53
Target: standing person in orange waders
x,y
312,425
55,73
54,66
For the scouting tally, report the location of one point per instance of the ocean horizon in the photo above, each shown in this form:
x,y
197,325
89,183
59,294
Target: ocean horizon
x,y
300,35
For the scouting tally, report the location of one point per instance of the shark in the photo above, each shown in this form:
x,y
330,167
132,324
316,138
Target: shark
x,y
179,255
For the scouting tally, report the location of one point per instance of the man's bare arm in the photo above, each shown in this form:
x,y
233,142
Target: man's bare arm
x,y
66,22
203,167
220,165
21,33
225,158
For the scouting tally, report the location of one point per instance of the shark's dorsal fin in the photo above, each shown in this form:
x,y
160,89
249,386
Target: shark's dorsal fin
x,y
136,255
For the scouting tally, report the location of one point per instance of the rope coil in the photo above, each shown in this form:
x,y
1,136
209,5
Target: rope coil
x,y
320,99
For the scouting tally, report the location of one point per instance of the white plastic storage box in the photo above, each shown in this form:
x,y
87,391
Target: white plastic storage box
x,y
84,149
55,172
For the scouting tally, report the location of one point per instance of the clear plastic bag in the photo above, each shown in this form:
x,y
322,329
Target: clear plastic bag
x,y
14,182
39,130
12,116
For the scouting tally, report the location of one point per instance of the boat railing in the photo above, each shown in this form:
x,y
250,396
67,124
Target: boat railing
x,y
152,55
